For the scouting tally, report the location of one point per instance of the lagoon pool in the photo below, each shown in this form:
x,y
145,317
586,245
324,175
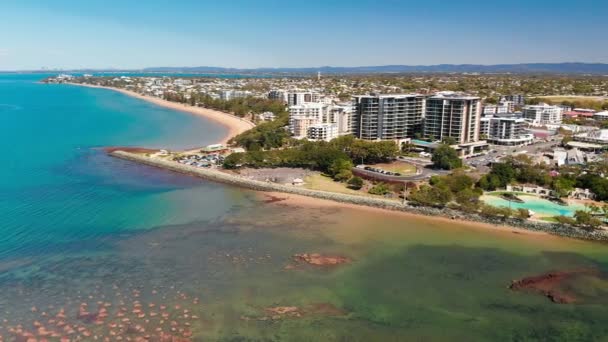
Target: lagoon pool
x,y
538,205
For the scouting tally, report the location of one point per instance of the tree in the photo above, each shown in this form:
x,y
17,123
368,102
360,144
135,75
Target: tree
x,y
446,158
431,196
468,199
343,175
586,220
379,189
340,169
522,214
355,183
234,160
449,141
563,186
491,211
565,220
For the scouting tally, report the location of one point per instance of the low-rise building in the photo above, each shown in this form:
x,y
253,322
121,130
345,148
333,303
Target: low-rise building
x,y
543,114
322,131
228,95
267,116
530,189
601,116
599,136
505,129
573,156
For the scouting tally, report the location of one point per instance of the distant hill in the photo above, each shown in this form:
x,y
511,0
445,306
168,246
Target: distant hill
x,y
527,68
542,68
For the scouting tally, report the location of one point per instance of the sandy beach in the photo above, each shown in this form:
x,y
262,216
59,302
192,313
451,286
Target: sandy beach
x,y
234,124
304,201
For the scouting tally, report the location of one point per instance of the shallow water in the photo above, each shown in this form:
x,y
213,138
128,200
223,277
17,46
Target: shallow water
x,y
153,253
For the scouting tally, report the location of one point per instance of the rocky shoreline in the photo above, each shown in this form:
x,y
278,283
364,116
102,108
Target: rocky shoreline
x,y
221,177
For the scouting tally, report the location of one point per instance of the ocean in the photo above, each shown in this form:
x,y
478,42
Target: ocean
x,y
93,247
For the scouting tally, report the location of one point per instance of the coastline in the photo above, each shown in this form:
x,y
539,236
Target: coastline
x,y
234,124
444,215
298,196
305,201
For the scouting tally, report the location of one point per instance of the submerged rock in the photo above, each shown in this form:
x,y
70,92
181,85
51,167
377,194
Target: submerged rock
x,y
317,259
551,284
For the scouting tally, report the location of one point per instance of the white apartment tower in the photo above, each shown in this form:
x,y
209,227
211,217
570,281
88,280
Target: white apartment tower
x,y
454,115
302,116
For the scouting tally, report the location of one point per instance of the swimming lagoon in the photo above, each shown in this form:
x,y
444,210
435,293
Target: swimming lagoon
x,y
538,205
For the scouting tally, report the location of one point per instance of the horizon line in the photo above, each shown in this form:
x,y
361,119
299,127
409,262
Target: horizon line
x,y
299,67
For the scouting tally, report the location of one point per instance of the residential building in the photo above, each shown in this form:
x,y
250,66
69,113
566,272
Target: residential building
x,y
505,129
543,114
453,115
387,117
298,98
278,95
267,116
302,116
322,131
579,113
601,116
228,95
599,136
500,108
342,116
518,99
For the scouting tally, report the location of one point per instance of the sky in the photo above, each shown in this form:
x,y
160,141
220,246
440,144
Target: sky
x,y
133,34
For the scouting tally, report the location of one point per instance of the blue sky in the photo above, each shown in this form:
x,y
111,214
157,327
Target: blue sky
x,y
272,33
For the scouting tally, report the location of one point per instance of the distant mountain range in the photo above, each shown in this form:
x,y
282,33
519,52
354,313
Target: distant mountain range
x,y
527,68
542,68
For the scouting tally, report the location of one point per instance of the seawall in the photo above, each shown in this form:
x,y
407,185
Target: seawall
x,y
221,177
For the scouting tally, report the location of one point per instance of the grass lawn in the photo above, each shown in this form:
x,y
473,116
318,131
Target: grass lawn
x,y
325,183
402,168
549,219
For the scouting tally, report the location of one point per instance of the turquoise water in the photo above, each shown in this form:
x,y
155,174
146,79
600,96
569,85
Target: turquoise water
x,y
56,185
538,205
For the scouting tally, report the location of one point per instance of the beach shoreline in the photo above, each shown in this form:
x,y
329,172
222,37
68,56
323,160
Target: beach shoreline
x,y
311,202
234,124
447,216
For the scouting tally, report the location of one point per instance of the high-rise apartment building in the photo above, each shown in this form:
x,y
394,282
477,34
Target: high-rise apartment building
x,y
387,117
453,115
